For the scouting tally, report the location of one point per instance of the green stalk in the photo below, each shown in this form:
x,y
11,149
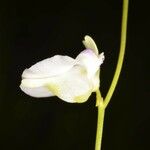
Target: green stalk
x,y
121,53
100,122
99,100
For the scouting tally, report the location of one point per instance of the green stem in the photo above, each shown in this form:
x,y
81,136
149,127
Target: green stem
x,y
99,100
121,53
100,122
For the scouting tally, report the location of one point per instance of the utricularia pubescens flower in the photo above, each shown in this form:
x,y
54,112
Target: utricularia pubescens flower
x,y
72,80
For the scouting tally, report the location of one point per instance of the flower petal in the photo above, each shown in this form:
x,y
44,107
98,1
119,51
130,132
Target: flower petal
x,y
101,57
90,61
49,67
96,81
37,91
90,44
35,87
73,86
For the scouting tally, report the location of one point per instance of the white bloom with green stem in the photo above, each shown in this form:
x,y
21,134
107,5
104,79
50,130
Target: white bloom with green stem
x,y
73,80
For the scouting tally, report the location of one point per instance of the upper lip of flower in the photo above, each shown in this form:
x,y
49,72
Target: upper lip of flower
x,y
49,67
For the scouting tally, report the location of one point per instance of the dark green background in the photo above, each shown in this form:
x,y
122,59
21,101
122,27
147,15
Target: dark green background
x,y
32,31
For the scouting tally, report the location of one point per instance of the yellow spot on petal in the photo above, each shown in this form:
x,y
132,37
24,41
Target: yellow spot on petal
x,y
53,88
82,98
83,72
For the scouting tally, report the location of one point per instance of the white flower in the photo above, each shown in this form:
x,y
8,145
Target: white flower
x,y
72,80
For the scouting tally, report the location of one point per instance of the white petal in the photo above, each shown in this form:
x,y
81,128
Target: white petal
x,y
73,86
101,58
90,61
36,92
34,83
90,44
96,81
35,87
49,67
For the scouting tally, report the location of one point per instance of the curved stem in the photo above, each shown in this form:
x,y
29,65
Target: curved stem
x,y
99,100
121,53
